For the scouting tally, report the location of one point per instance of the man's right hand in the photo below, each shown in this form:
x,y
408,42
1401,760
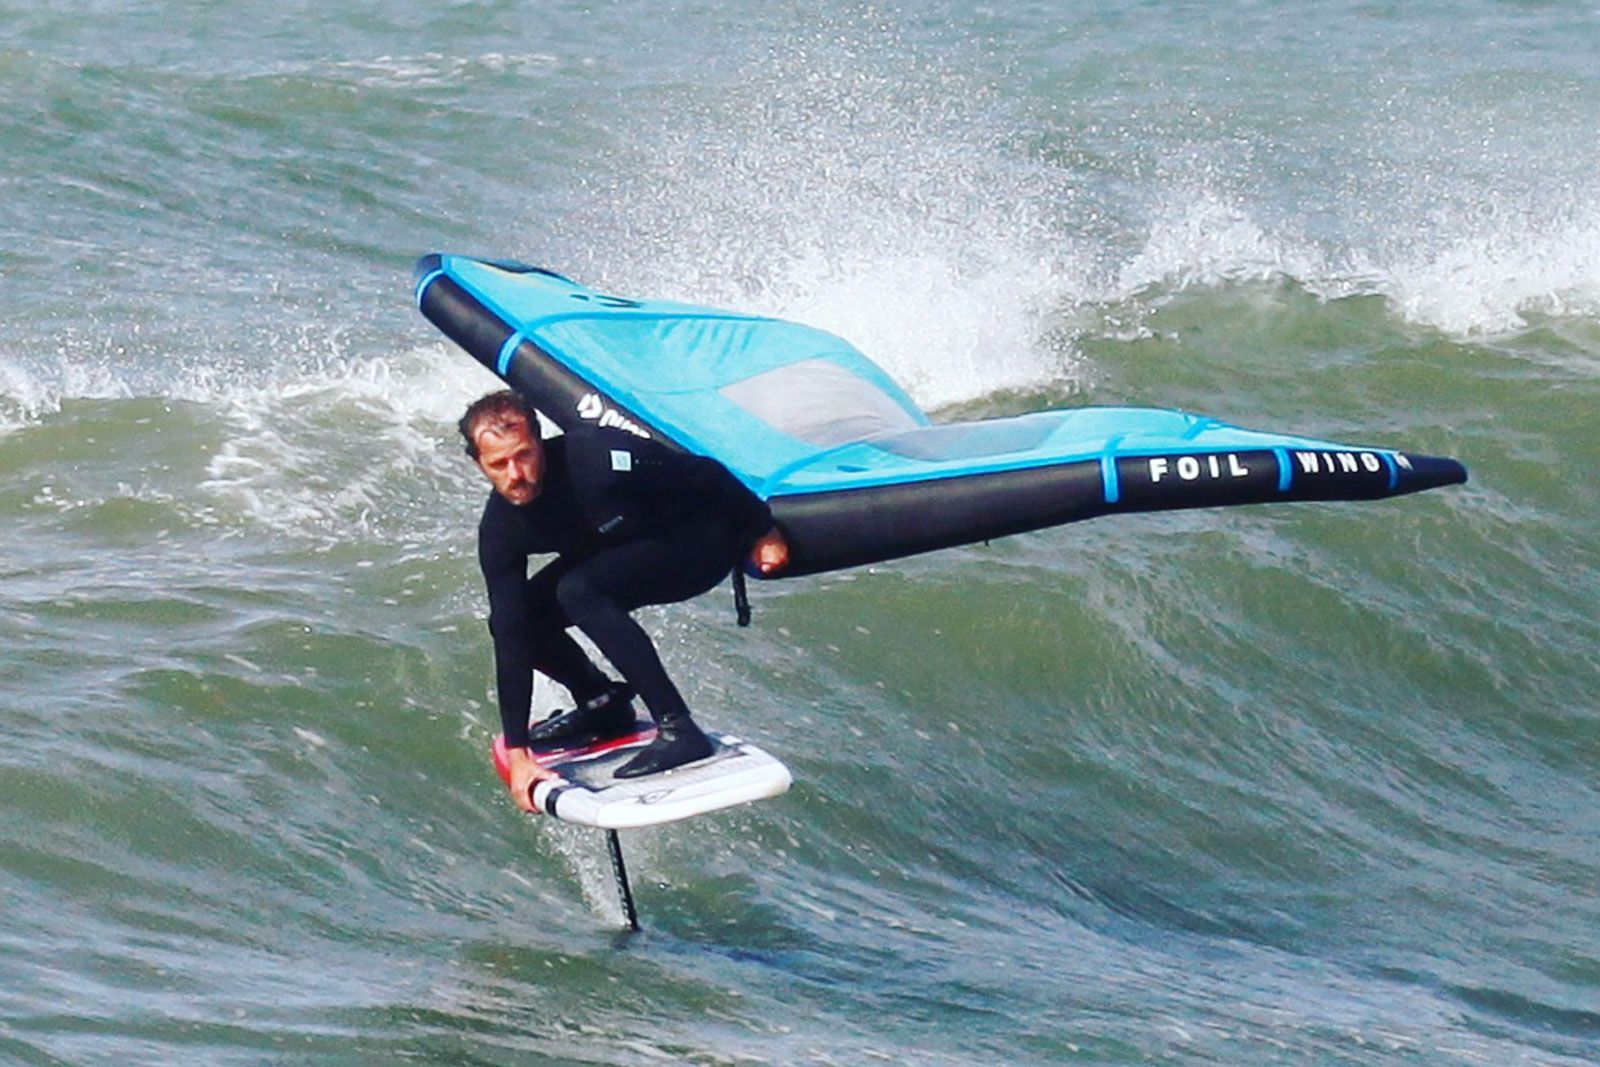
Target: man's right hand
x,y
525,773
770,553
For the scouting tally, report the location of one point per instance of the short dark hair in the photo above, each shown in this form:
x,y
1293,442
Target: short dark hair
x,y
495,412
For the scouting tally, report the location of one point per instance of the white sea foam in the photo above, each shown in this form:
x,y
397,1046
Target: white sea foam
x,y
872,202
29,392
429,69
1200,238
1480,272
1493,279
22,398
360,446
856,187
329,446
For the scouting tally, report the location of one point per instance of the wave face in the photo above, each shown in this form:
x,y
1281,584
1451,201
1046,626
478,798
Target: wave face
x,y
1306,784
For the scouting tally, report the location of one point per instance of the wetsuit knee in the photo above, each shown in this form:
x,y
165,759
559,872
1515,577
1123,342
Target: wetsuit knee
x,y
580,599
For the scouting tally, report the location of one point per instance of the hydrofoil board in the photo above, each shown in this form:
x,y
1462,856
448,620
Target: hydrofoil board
x,y
588,792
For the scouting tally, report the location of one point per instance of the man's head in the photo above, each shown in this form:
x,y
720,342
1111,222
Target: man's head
x,y
501,436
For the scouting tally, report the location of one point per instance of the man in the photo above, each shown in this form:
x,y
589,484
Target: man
x,y
631,523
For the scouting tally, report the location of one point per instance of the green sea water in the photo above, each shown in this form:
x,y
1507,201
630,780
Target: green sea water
x,y
1309,784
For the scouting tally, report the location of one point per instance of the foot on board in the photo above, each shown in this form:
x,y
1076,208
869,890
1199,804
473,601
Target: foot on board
x,y
598,719
676,743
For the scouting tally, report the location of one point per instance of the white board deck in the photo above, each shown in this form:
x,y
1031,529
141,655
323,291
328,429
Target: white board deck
x,y
588,794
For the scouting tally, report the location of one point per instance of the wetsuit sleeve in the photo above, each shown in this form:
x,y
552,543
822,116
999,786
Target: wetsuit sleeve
x,y
505,572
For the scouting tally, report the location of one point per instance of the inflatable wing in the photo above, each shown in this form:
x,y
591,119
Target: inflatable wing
x,y
854,471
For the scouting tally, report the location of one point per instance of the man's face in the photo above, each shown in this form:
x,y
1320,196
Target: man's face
x,y
512,459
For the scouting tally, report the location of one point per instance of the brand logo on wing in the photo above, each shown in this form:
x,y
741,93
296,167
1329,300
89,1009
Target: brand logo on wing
x,y
592,409
1344,462
1193,468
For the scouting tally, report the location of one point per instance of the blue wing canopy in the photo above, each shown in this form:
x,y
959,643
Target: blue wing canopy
x,y
848,461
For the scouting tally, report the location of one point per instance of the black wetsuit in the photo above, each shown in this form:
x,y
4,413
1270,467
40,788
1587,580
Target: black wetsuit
x,y
631,523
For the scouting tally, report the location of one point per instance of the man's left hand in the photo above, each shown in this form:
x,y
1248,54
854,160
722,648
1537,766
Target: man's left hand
x,y
524,772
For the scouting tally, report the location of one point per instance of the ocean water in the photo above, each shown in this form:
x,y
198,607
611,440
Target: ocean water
x,y
1314,784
